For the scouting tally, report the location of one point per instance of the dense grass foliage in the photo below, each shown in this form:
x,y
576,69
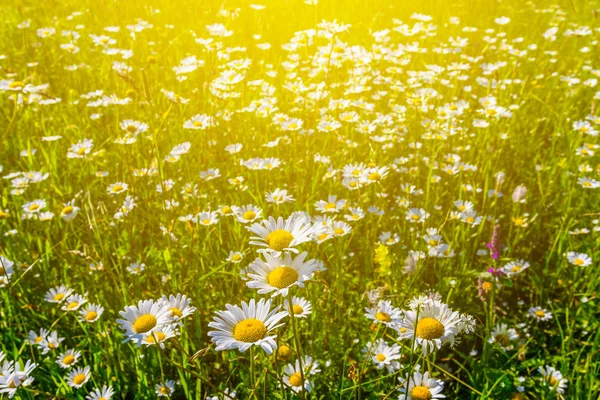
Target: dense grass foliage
x,y
299,199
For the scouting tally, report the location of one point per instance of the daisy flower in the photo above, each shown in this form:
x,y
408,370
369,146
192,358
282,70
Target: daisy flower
x,y
34,206
68,358
540,313
579,259
105,393
503,336
117,188
416,215
248,213
355,214
69,211
80,149
78,377
179,306
300,307
332,205
384,313
278,274
207,218
161,336
279,196
225,210
235,257
383,355
553,378
281,235
432,325
514,268
165,389
90,313
242,327
73,302
15,377
420,387
147,317
50,342
133,127
37,337
295,379
340,228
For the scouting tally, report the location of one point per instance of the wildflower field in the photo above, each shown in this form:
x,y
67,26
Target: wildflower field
x,y
299,199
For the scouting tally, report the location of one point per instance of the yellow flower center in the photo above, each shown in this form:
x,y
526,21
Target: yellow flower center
x,y
165,390
59,296
516,268
91,315
380,357
297,309
224,210
415,217
117,188
279,239
16,84
68,360
330,206
296,379
578,261
374,176
540,313
79,379
282,277
38,339
34,207
131,128
249,215
322,236
429,328
144,323
236,257
284,352
553,381
339,231
420,393
81,151
3,214
502,339
72,305
249,330
159,335
197,123
175,312
67,210
383,317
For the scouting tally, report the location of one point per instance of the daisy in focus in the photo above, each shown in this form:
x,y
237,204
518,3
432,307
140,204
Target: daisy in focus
x,y
277,236
147,317
249,325
278,274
